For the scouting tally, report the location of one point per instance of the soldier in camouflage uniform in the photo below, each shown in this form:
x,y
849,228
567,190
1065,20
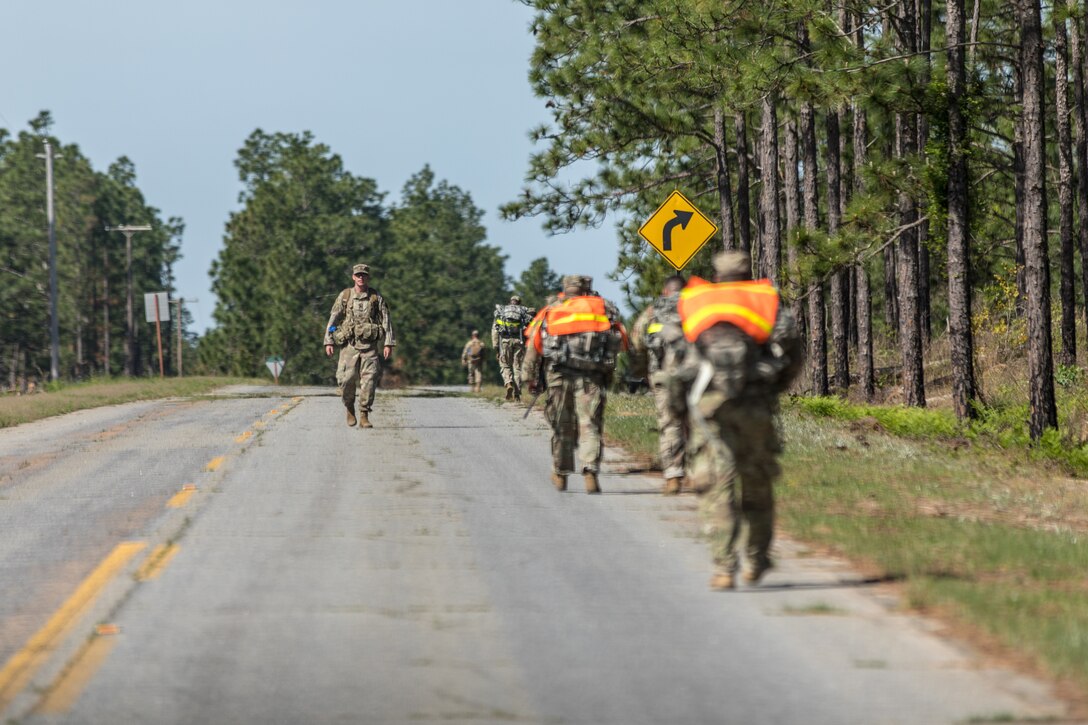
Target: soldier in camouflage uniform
x,y
472,359
654,350
733,373
576,380
508,339
360,324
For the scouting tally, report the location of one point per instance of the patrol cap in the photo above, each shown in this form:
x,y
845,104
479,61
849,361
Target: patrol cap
x,y
579,282
361,269
732,265
515,300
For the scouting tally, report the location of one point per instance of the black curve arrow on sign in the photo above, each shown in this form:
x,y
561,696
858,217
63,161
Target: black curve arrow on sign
x,y
682,218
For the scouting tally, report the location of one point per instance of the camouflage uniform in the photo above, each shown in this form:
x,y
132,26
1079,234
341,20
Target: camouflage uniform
x,y
508,339
574,406
732,385
472,358
654,355
360,324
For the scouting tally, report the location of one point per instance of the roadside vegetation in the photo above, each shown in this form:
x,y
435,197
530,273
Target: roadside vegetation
x,y
59,398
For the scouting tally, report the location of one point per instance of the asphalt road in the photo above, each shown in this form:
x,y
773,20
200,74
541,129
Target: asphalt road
x,y
250,559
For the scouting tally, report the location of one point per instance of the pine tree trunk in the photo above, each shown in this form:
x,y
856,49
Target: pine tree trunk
x,y
725,191
817,333
864,304
744,218
770,257
925,29
1068,291
910,334
839,316
1037,274
792,182
959,260
1080,133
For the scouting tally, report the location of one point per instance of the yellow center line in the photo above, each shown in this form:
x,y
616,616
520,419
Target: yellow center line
x,y
215,463
244,437
67,689
259,424
274,411
156,561
19,670
180,498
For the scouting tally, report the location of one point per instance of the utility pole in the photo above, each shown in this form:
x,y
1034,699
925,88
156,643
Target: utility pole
x,y
130,323
54,324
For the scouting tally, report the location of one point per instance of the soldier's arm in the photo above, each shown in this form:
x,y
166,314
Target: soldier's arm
x,y
335,318
530,366
638,352
387,324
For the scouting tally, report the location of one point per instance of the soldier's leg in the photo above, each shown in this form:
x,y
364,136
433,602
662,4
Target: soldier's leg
x,y
347,375
370,374
712,473
757,447
670,429
559,409
518,355
506,362
589,405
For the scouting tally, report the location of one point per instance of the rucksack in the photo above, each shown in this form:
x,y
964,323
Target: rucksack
x,y
590,351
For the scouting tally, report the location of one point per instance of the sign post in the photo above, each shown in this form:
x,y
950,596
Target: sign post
x,y
157,310
275,366
677,230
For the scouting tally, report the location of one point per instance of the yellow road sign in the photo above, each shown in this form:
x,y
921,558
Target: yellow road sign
x,y
677,230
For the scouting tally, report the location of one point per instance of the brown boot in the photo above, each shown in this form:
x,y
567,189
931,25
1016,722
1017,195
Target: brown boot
x,y
754,574
509,392
351,415
559,481
591,482
673,486
722,581
364,419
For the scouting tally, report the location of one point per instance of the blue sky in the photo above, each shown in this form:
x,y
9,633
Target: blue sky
x,y
389,85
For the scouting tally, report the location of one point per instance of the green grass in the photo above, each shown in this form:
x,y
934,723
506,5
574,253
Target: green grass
x,y
66,398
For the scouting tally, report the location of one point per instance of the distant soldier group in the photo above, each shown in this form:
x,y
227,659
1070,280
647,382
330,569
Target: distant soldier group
x,y
717,355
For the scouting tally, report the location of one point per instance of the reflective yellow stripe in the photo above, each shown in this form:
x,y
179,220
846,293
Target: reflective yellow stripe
x,y
653,327
762,289
727,309
579,317
507,324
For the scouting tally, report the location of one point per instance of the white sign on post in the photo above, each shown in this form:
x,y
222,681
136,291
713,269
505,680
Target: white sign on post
x,y
164,306
275,366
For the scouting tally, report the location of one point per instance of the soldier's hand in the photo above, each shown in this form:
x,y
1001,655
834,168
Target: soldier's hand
x,y
328,351
387,351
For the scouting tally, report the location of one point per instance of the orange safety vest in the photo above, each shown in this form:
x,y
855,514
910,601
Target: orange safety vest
x,y
750,305
573,315
532,330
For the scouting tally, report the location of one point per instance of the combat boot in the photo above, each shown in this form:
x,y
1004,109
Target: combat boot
x,y
755,573
559,481
722,581
509,392
673,486
591,482
364,419
351,415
